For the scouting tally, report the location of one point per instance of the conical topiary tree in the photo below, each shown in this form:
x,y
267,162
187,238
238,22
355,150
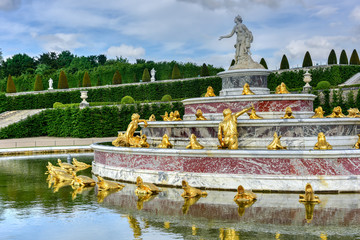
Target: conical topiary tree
x,y
146,75
284,63
204,71
307,62
343,58
116,78
38,83
175,72
63,82
10,86
263,62
86,80
332,59
354,59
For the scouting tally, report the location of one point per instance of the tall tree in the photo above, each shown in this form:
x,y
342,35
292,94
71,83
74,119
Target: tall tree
x,y
86,80
204,71
343,58
64,59
101,59
10,85
263,62
146,75
354,59
63,82
50,59
332,59
175,72
116,78
38,83
18,64
307,62
284,63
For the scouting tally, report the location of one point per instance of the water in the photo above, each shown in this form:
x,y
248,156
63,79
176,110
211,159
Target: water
x,y
29,209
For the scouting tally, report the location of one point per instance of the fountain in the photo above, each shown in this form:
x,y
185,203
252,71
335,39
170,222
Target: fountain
x,y
250,163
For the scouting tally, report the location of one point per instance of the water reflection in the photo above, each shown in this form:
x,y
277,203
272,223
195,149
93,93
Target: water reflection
x,y
25,199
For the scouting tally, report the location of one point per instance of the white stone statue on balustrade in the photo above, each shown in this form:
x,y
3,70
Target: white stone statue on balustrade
x,y
152,72
51,84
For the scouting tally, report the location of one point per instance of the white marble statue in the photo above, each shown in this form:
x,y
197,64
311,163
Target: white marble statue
x,y
51,84
152,72
244,39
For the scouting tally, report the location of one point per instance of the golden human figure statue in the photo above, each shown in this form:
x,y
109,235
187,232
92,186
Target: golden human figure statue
x,y
190,192
337,113
106,184
319,113
244,195
281,89
353,113
165,143
275,144
210,92
246,90
322,144
177,116
127,139
253,115
152,118
228,129
165,117
288,113
357,144
194,144
145,188
309,195
199,115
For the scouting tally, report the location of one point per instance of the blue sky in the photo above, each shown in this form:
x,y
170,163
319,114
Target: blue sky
x,y
181,30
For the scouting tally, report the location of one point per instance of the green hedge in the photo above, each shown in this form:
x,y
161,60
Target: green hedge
x,y
85,123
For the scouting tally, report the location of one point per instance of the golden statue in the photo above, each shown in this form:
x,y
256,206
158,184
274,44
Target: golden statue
x,y
66,166
199,115
165,117
152,118
82,181
246,90
127,139
281,89
60,175
337,113
228,129
171,116
188,202
244,204
322,144
145,188
80,165
275,144
194,144
244,195
135,226
357,144
210,92
165,143
288,113
102,194
253,114
190,192
177,116
319,113
143,142
309,196
309,211
353,113
106,185
51,168
143,198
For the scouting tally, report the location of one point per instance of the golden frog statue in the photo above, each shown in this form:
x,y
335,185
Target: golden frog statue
x,y
319,113
353,113
127,139
210,92
246,90
337,113
194,144
309,196
152,118
357,144
322,144
190,192
165,143
106,185
82,180
281,89
199,115
177,116
275,144
145,188
288,113
253,115
244,195
80,165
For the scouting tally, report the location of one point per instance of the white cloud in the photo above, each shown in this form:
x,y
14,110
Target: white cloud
x,y
355,14
9,5
59,42
326,11
126,51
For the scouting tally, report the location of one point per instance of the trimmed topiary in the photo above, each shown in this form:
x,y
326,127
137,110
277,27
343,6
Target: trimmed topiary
x,y
63,82
166,98
332,58
354,59
323,85
284,63
10,86
175,72
263,62
116,78
38,84
86,80
58,105
127,100
307,62
146,75
343,58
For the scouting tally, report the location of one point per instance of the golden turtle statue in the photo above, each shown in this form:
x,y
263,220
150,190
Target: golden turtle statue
x,y
190,192
107,185
309,196
83,181
66,166
244,195
165,143
144,188
80,165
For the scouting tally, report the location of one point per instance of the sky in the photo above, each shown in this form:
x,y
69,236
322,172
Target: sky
x,y
180,30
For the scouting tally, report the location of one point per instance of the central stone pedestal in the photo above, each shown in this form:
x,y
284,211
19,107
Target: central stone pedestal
x,y
233,81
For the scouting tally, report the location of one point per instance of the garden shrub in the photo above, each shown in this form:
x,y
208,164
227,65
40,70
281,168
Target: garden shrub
x,y
166,98
323,85
127,100
63,81
58,105
10,87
